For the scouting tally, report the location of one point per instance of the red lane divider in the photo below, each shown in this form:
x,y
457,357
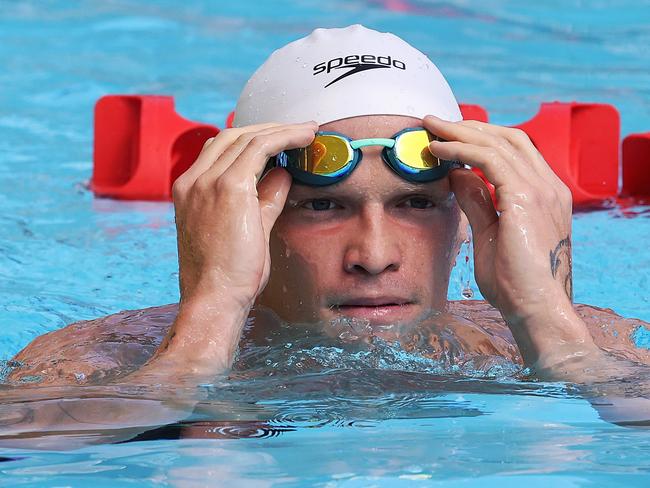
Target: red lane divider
x,y
229,120
580,143
473,112
142,145
636,165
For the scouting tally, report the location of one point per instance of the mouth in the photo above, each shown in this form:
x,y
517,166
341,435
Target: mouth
x,y
382,309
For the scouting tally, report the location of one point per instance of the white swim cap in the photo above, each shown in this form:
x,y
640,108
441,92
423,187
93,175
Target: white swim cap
x,y
333,74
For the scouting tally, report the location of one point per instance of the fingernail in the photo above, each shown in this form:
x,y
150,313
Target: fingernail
x,y
431,117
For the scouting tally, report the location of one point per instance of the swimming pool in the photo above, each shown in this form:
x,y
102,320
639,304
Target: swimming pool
x,y
65,256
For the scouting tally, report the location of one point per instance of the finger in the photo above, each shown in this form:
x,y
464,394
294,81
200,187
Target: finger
x,y
556,190
272,193
522,143
474,199
214,147
249,164
456,131
255,139
466,131
489,160
462,132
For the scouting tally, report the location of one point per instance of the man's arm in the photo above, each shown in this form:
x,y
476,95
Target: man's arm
x,y
42,419
224,216
522,254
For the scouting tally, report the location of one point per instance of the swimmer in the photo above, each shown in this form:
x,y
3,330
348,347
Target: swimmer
x,y
342,196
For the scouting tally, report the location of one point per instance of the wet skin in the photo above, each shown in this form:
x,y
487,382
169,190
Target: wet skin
x,y
374,247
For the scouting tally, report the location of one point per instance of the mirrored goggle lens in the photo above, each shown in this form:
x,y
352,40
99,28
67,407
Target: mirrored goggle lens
x,y
327,155
412,149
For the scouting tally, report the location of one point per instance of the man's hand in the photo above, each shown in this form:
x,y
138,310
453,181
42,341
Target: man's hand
x,y
224,216
522,253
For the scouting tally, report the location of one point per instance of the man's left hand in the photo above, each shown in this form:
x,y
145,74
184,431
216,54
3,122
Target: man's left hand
x,y
522,248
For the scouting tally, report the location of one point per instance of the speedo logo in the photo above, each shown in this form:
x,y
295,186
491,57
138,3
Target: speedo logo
x,y
356,64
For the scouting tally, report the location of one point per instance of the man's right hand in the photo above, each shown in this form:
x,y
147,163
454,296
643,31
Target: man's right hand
x,y
224,216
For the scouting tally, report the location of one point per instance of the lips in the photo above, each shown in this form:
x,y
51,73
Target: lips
x,y
381,310
381,301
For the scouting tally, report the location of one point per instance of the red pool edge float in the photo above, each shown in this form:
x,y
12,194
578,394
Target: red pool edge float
x,y
142,145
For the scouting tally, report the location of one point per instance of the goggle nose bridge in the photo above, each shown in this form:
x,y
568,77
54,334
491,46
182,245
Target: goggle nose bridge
x,y
377,141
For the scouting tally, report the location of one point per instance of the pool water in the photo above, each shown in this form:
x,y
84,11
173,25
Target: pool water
x,y
66,256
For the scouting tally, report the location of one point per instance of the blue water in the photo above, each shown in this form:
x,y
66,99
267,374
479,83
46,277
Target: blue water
x,y
65,256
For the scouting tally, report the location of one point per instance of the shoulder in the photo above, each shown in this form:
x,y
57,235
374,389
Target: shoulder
x,y
93,350
479,329
610,331
615,333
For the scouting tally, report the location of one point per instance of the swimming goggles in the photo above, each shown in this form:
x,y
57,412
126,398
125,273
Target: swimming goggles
x,y
332,157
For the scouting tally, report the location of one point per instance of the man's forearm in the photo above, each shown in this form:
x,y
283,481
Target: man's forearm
x,y
559,347
201,343
556,343
33,419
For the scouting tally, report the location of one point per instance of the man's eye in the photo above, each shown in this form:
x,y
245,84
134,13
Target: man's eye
x,y
319,204
419,203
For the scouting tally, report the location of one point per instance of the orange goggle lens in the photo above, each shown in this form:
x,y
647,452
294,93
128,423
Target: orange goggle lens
x,y
327,155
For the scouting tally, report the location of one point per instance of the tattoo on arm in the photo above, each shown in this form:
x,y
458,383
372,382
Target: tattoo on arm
x,y
561,265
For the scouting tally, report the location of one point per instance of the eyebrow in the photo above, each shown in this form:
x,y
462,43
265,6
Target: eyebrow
x,y
402,187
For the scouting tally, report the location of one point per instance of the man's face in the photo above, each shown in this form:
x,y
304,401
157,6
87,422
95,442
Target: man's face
x,y
373,247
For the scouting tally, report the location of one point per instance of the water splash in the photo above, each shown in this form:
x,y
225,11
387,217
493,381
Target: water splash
x,y
467,269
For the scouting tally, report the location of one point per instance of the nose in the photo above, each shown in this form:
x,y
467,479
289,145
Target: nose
x,y
374,248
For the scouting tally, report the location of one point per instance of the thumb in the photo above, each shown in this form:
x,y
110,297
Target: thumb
x,y
272,193
474,199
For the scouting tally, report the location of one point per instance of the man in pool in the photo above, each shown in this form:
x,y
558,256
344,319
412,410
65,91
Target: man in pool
x,y
360,230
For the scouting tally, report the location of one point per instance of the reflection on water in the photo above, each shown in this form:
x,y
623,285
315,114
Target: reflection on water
x,y
361,426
